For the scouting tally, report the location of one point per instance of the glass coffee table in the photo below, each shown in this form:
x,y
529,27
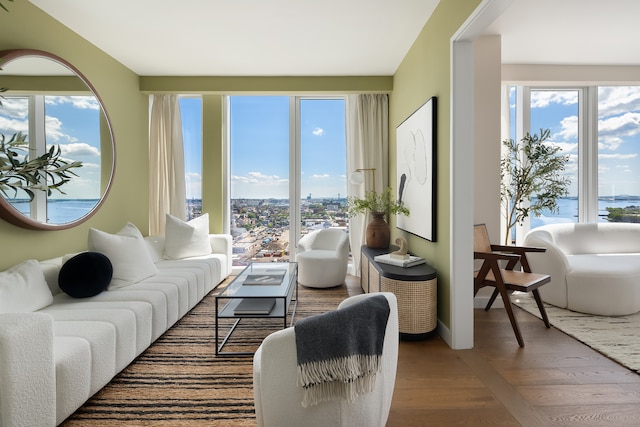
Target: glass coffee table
x,y
261,290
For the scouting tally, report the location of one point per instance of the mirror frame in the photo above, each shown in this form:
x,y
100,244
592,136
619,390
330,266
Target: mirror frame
x,y
7,211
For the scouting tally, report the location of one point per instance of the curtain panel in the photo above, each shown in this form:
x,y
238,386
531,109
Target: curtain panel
x,y
367,147
167,188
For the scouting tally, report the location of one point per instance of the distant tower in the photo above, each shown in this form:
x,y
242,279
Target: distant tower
x,y
309,196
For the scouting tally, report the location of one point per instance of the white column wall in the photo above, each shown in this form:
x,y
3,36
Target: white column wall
x,y
487,140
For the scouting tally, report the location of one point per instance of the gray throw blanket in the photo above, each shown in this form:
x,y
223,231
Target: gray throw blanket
x,y
339,352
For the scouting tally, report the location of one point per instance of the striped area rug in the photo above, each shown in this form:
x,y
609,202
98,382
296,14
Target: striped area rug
x,y
178,381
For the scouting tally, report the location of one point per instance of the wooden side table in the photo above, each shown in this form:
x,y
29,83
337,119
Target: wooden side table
x,y
414,287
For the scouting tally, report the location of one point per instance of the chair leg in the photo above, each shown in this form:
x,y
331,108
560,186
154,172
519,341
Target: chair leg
x,y
543,312
492,299
514,323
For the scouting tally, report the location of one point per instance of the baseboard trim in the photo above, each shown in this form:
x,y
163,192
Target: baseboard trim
x,y
445,333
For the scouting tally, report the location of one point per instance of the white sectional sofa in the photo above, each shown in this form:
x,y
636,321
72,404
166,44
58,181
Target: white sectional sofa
x,y
56,357
594,268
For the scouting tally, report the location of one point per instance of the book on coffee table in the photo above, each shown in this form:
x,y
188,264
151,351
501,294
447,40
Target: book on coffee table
x,y
273,277
255,306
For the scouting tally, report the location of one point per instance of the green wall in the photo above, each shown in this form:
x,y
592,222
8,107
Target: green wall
x,y
425,72
125,96
26,26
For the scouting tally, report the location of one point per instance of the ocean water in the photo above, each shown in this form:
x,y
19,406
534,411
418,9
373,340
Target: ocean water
x,y
60,211
568,210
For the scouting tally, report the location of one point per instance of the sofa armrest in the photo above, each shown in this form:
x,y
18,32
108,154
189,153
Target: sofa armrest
x,y
222,244
27,370
553,262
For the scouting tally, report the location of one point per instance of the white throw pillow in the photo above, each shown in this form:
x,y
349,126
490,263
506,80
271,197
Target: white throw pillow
x,y
186,239
127,252
23,288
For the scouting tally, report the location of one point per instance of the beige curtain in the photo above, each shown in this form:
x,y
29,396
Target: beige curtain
x,y
367,147
167,191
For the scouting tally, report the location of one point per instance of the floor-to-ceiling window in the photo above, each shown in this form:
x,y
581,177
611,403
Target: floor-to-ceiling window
x,y
558,110
323,163
287,172
619,153
598,127
191,115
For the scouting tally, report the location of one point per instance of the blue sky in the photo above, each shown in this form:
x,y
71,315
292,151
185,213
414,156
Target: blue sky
x,y
619,140
191,114
73,123
260,141
618,134
259,131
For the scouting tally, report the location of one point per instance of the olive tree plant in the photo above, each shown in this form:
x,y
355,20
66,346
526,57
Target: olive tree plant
x,y
18,171
530,168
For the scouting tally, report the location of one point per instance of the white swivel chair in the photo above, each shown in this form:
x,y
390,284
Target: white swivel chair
x,y
278,397
322,258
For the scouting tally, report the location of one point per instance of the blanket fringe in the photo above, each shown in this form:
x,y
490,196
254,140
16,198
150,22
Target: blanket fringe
x,y
344,377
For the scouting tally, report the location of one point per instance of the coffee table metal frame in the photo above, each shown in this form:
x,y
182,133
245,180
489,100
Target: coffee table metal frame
x,y
284,294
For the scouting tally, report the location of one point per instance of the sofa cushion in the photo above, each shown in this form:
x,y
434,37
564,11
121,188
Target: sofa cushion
x,y
127,252
73,374
23,288
85,275
186,239
101,337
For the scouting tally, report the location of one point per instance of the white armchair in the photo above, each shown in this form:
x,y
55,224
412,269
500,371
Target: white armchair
x,y
322,258
278,397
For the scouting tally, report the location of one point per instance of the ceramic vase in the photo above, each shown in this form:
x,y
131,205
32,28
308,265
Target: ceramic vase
x,y
378,234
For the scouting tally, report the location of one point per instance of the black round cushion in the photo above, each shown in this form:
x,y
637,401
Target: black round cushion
x,y
85,275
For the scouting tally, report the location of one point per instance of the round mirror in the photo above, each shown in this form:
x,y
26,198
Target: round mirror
x,y
57,153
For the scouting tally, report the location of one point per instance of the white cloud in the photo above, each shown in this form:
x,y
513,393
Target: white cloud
x,y
318,132
258,178
15,108
54,131
321,176
612,130
567,147
258,185
618,100
193,176
543,98
86,165
569,129
618,156
78,102
76,149
9,126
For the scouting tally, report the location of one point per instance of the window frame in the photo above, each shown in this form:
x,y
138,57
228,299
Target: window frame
x,y
587,188
295,162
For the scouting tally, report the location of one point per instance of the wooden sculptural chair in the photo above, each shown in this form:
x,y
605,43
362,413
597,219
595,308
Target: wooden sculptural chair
x,y
497,270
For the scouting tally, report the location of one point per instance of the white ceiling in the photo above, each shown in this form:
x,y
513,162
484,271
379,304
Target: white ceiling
x,y
333,37
248,37
580,32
